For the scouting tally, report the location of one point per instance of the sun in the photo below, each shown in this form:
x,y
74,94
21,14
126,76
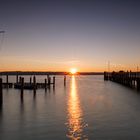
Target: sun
x,y
73,70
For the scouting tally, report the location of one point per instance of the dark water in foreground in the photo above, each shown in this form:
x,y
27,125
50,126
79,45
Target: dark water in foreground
x,y
87,108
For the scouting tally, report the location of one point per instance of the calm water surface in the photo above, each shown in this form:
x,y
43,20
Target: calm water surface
x,y
87,108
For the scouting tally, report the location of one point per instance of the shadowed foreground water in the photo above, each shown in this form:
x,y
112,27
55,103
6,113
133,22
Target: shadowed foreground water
x,y
87,108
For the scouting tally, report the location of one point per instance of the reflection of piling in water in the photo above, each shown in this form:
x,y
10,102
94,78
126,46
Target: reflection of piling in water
x,y
21,97
1,94
129,79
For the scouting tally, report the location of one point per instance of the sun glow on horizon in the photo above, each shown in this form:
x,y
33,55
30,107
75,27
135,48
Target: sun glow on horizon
x,y
73,70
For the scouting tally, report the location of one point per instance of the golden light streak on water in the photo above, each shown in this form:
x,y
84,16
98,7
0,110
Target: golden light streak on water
x,y
75,122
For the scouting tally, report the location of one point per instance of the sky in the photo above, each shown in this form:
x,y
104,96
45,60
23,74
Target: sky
x,y
57,35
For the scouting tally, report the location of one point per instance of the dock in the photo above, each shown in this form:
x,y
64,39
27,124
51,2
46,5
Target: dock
x,y
32,84
128,79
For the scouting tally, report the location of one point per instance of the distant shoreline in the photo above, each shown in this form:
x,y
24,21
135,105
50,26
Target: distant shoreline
x,y
47,73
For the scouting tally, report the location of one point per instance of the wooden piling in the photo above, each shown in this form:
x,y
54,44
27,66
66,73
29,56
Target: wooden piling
x,y
22,89
49,81
30,80
45,83
22,86
20,78
1,94
105,76
54,81
17,78
34,83
65,80
48,78
7,79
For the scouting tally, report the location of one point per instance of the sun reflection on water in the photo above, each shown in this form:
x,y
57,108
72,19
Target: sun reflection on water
x,y
75,122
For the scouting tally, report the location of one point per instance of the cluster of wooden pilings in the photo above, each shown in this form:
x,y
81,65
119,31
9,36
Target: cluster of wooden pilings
x,y
129,79
20,84
31,85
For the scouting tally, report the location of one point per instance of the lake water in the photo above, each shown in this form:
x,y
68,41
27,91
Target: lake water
x,y
86,108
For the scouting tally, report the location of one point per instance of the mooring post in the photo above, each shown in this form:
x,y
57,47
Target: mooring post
x,y
22,84
7,79
45,83
49,81
106,75
22,87
34,82
54,81
17,78
20,78
1,94
30,80
65,80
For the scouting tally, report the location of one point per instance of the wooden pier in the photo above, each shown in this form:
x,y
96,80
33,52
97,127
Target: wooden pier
x,y
129,79
32,84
